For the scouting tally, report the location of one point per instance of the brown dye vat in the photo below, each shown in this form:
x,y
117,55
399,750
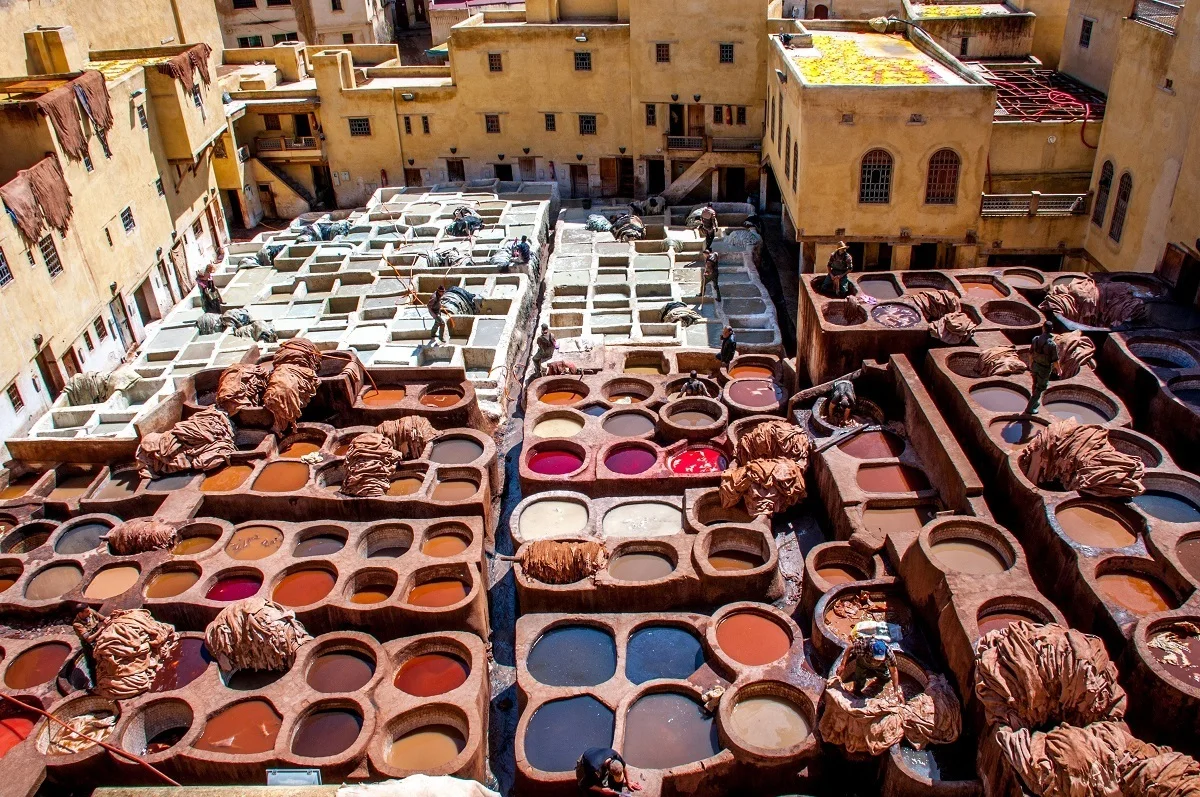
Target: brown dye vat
x,y
431,674
735,560
188,663
322,545
668,729
254,542
170,583
456,451
441,398
342,448
769,722
405,485
628,424
282,477
981,290
751,372
7,581
370,595
326,733
300,448
71,487
454,490
194,545
444,545
1096,525
438,593
19,486
37,665
227,478
968,556
640,567
891,479
340,671
752,639
873,445
560,398
303,587
1184,666
244,728
998,398
426,748
1188,552
1003,619
1137,593
755,392
111,581
692,419
384,397
840,574
53,582
643,370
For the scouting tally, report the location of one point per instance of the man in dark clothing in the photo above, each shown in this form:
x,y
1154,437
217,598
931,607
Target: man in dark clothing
x,y
708,225
210,297
693,387
1044,353
728,348
601,770
869,659
842,402
711,274
439,316
543,349
521,251
837,281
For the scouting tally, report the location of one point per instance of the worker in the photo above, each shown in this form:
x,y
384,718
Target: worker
x,y
544,347
210,297
692,386
712,274
869,659
728,348
601,770
440,331
708,225
1044,356
521,251
841,263
842,402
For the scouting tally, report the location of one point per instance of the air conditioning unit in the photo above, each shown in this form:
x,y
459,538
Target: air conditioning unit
x,y
243,154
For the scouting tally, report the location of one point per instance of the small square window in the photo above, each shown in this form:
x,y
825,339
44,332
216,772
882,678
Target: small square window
x,y
587,124
1085,33
741,114
280,38
651,115
347,38
127,220
662,53
335,5
250,41
726,52
583,61
551,123
101,330
360,126
14,397
6,275
245,3
108,236
271,121
425,125
142,120
408,125
50,255
197,228
718,115
279,2
962,46
491,123
495,62
87,341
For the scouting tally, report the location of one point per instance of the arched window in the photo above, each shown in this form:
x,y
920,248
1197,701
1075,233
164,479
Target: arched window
x,y
875,179
795,164
1120,207
821,12
787,154
772,101
941,185
1102,190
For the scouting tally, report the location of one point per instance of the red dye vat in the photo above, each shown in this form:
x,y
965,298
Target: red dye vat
x,y
630,461
555,462
698,459
431,674
234,588
13,731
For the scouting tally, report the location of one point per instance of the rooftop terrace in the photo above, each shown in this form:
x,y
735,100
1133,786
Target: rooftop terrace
x,y
852,58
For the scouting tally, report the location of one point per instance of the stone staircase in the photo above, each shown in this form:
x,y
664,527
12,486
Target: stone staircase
x,y
295,185
702,168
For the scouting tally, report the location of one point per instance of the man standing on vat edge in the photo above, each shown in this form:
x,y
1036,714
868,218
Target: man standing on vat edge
x,y
1043,355
601,770
728,350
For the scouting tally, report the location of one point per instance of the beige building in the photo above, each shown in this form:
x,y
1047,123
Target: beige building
x,y
264,23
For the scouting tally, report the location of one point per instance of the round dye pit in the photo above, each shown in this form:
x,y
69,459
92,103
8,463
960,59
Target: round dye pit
x,y
195,544
559,732
998,398
895,315
1184,664
321,545
254,542
1137,593
698,460
751,372
643,519
968,556
444,545
873,445
326,733
81,539
442,397
245,728
384,397
29,539
427,747
36,666
340,671
630,460
994,621
884,520
668,729
164,740
628,424
1188,551
228,478
19,486
8,579
561,398
282,477
733,560
840,574
456,451
1019,279
558,427
626,398
300,448
13,731
1080,411
1096,525
755,392
111,582
234,588
371,594
438,593
752,639
662,652
692,419
1171,507
169,583
1017,432
552,518
302,587
770,723
53,582
596,410
70,487
982,290
454,490
555,462
940,763
250,680
169,484
187,663
642,566
431,674
891,479
646,369
405,485
574,655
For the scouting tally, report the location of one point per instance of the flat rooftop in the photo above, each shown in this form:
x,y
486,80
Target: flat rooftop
x,y
1042,95
118,68
960,10
842,58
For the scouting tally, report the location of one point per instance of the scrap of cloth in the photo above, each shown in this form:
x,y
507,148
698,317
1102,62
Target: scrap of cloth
x,y
408,435
183,67
771,439
241,387
935,304
37,197
1079,457
553,562
141,535
129,648
953,329
255,634
766,486
369,464
873,724
202,442
62,105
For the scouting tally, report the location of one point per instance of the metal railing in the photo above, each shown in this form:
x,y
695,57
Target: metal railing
x,y
686,142
278,144
736,144
1034,203
1158,13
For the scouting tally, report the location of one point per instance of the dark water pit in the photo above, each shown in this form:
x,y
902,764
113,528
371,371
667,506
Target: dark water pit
x,y
340,671
187,663
999,398
1171,507
456,451
630,460
668,729
82,538
576,655
628,424
326,732
561,730
169,484
320,545
891,479
876,444
662,652
755,392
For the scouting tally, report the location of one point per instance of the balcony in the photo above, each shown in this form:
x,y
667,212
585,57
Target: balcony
x,y
281,147
713,144
1033,204
693,143
1157,13
736,144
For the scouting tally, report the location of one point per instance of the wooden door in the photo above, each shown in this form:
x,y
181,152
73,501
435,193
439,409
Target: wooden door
x,y
528,168
51,375
695,120
267,199
456,171
579,181
625,183
412,177
608,177
71,363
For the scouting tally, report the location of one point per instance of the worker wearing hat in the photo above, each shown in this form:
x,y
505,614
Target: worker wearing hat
x,y
869,659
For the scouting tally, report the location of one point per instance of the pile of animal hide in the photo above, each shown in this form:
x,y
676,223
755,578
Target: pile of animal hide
x,y
459,301
1085,301
129,649
447,257
771,440
255,634
746,239
1079,457
873,724
241,387
1000,361
1075,350
202,442
560,368
554,562
628,227
183,66
89,728
678,312
598,223
408,435
91,387
650,206
37,197
765,486
141,535
369,464
292,382
953,329
62,106
936,304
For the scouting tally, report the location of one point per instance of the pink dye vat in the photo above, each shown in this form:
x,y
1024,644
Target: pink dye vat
x,y
555,462
698,459
630,461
